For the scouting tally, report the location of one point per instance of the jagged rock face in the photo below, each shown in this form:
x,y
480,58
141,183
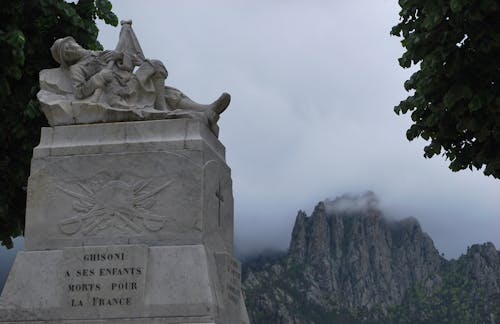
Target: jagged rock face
x,y
352,265
469,292
481,264
342,259
362,258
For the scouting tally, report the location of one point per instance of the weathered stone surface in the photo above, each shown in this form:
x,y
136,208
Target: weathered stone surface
x,y
164,320
124,281
108,281
155,182
105,86
119,281
127,222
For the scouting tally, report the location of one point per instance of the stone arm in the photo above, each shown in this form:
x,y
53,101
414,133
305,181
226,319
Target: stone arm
x,y
96,74
82,86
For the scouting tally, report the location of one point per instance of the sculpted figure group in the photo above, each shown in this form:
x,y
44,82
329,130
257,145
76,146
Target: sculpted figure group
x,y
114,85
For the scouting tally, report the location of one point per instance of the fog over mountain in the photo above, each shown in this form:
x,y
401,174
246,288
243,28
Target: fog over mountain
x,y
348,263
349,203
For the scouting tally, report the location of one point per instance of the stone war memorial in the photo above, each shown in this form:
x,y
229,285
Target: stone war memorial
x,y
129,214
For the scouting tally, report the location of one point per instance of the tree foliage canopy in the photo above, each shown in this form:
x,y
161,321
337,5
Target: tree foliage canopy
x,y
28,29
456,100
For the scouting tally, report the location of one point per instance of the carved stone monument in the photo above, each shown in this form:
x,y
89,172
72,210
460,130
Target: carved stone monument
x,y
129,213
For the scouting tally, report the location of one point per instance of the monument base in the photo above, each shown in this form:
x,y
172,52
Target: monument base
x,y
117,321
127,222
124,284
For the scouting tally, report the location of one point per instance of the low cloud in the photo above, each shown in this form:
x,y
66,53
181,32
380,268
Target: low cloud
x,y
353,203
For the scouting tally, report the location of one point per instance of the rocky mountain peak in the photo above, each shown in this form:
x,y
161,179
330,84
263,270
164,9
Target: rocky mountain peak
x,y
347,261
353,251
481,264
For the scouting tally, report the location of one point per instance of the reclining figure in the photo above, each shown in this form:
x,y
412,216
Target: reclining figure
x,y
102,86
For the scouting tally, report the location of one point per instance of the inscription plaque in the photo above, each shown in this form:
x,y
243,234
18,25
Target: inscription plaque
x,y
104,279
127,223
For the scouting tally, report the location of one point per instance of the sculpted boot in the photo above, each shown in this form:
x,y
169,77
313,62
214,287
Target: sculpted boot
x,y
218,106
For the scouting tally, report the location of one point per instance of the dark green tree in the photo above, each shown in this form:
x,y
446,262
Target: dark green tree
x,y
455,103
28,29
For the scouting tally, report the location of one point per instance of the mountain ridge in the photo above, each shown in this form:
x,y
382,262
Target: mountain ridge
x,y
347,262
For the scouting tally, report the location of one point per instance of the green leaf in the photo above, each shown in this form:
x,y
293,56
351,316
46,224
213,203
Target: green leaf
x,y
104,12
455,94
396,31
405,60
455,101
4,88
432,149
475,104
456,5
28,30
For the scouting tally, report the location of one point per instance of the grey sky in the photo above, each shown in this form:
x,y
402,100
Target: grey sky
x,y
313,87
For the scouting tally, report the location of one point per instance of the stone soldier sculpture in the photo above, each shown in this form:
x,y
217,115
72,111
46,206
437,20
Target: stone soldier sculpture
x,y
129,211
105,82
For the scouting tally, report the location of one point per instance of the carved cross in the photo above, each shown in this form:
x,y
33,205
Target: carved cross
x,y
220,199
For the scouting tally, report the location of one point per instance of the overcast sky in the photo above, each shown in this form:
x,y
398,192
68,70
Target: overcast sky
x,y
313,87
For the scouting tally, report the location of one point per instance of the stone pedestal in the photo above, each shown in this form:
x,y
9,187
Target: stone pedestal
x,y
127,222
